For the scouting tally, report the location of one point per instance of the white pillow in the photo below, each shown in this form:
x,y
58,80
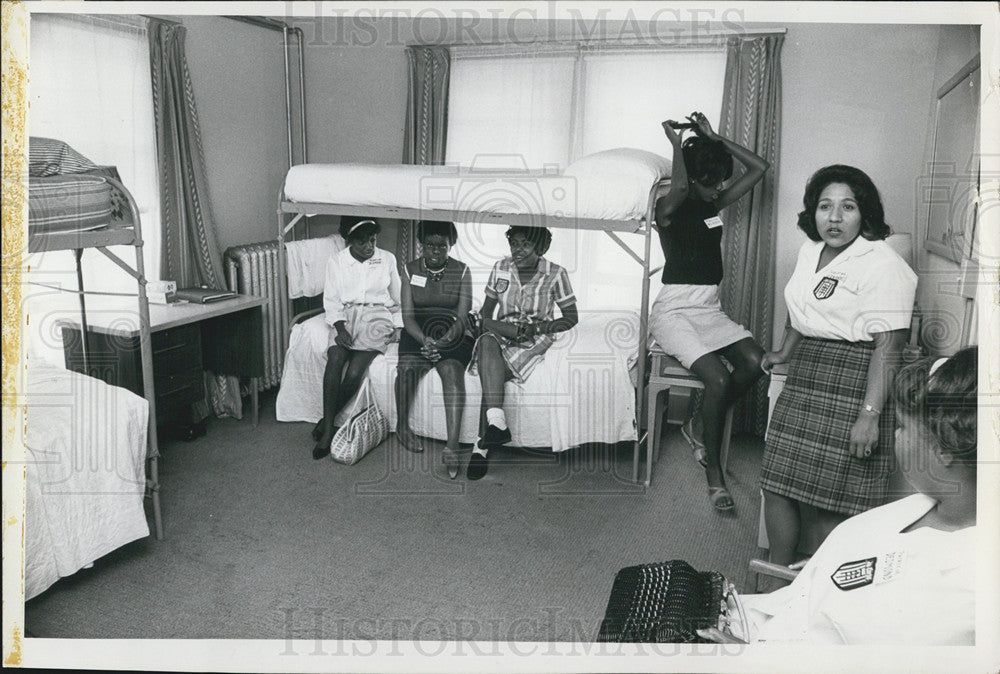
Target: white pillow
x,y
623,161
615,184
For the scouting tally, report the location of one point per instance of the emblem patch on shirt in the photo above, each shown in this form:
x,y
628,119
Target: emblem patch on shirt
x,y
825,288
501,285
853,575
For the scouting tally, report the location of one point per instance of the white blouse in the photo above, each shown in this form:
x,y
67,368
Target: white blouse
x,y
374,281
870,583
866,289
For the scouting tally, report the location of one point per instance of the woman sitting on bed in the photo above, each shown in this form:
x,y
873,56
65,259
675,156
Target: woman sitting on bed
x,y
436,297
524,289
362,304
903,573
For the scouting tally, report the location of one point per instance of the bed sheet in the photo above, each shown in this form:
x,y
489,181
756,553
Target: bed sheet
x,y
86,451
580,392
598,188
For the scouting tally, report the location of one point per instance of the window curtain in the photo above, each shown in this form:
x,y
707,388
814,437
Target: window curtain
x,y
191,254
751,117
429,69
89,88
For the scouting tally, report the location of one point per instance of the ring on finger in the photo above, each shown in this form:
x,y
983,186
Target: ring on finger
x,y
868,451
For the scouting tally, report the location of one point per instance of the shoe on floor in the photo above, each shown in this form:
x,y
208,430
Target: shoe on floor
x,y
451,462
697,446
478,465
494,437
319,451
720,499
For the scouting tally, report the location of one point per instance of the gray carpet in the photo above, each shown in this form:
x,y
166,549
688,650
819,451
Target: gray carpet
x,y
263,542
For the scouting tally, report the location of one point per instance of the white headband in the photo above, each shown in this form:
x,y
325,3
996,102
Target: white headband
x,y
937,363
363,222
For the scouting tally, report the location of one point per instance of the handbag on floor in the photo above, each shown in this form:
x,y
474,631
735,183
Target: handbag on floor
x,y
667,602
364,431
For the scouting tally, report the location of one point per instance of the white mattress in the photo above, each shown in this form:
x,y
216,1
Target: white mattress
x,y
86,451
597,187
580,393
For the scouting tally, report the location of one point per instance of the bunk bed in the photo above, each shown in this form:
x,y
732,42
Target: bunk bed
x,y
614,191
74,204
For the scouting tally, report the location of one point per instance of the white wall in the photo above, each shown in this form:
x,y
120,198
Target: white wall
x,y
857,95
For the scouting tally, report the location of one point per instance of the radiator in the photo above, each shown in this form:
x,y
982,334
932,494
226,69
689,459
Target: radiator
x,y
253,269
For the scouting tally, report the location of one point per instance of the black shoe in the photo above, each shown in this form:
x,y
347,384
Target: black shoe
x,y
494,437
478,465
317,431
319,451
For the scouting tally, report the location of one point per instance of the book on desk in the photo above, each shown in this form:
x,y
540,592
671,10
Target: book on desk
x,y
203,295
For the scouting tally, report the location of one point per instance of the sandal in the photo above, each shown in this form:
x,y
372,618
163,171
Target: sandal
x,y
451,462
721,499
697,446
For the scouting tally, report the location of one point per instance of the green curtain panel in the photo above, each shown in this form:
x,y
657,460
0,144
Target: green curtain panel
x,y
426,124
751,117
191,254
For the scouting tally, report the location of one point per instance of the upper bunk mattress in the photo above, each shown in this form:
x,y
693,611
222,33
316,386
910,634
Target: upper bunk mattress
x,y
610,185
69,203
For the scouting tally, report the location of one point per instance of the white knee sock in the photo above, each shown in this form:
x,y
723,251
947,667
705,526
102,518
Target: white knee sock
x,y
496,417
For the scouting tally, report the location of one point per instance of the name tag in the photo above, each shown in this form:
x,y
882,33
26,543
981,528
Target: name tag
x,y
713,222
891,566
418,280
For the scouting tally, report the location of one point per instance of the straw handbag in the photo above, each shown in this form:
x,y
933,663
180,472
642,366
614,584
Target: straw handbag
x,y
363,432
667,602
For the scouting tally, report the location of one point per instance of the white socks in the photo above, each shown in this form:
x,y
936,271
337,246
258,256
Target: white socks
x,y
496,417
479,450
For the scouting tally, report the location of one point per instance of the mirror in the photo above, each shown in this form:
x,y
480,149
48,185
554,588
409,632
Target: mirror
x,y
952,191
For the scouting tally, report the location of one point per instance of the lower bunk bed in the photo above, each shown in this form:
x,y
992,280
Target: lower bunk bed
x,y
85,474
580,393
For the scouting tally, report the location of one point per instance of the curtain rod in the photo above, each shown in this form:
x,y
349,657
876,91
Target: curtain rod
x,y
262,21
614,42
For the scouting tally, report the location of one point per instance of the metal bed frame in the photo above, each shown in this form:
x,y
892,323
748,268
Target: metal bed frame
x,y
291,213
130,235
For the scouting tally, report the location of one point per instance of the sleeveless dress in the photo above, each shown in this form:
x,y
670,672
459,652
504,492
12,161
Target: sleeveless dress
x,y
435,306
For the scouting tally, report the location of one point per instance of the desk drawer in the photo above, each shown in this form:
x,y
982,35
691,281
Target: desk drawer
x,y
168,340
172,385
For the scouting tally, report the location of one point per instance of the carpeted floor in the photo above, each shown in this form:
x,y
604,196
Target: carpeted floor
x,y
263,542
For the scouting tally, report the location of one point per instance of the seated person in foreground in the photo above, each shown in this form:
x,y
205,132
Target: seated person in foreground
x,y
361,301
436,297
524,289
905,572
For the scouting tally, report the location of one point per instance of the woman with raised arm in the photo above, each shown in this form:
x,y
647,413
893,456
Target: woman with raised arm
x,y
361,301
686,319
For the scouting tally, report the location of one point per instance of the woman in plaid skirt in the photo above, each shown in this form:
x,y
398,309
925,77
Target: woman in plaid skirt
x,y
828,452
524,290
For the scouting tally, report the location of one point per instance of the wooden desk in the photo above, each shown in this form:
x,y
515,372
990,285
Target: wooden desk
x,y
225,337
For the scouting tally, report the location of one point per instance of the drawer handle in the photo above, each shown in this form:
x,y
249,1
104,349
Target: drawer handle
x,y
170,348
163,394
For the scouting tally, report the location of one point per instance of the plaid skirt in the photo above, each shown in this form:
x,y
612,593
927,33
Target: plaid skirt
x,y
807,453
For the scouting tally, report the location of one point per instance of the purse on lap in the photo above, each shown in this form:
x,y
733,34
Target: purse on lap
x,y
666,603
364,431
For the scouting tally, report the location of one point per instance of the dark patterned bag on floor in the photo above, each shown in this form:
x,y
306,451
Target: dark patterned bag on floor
x,y
666,603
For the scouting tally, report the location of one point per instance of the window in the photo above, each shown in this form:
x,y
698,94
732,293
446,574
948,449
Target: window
x,y
90,87
551,107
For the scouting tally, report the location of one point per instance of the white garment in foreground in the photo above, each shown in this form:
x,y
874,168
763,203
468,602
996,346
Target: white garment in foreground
x,y
579,393
921,591
86,475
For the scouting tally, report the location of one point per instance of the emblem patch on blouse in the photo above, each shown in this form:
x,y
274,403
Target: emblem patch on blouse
x,y
853,575
825,288
501,285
